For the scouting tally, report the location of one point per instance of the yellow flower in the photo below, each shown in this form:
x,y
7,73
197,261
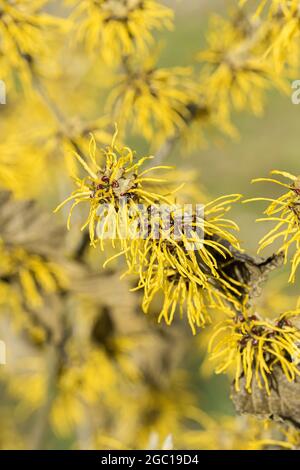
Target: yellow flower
x,y
225,433
29,258
153,101
235,73
22,25
182,264
119,28
33,272
191,279
79,384
285,211
284,34
153,408
292,437
281,38
254,346
117,185
22,167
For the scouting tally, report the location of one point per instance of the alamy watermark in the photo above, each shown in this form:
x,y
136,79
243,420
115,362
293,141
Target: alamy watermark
x,y
2,92
157,221
296,94
2,353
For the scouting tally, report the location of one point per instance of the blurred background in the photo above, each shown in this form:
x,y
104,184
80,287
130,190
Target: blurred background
x,y
222,166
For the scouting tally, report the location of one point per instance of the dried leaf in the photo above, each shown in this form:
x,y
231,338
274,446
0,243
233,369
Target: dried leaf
x,y
251,272
283,403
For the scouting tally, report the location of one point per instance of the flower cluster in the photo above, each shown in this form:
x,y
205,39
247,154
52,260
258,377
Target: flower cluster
x,y
192,279
33,272
185,268
285,212
29,267
119,28
84,361
22,23
155,101
234,433
236,74
118,186
254,346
